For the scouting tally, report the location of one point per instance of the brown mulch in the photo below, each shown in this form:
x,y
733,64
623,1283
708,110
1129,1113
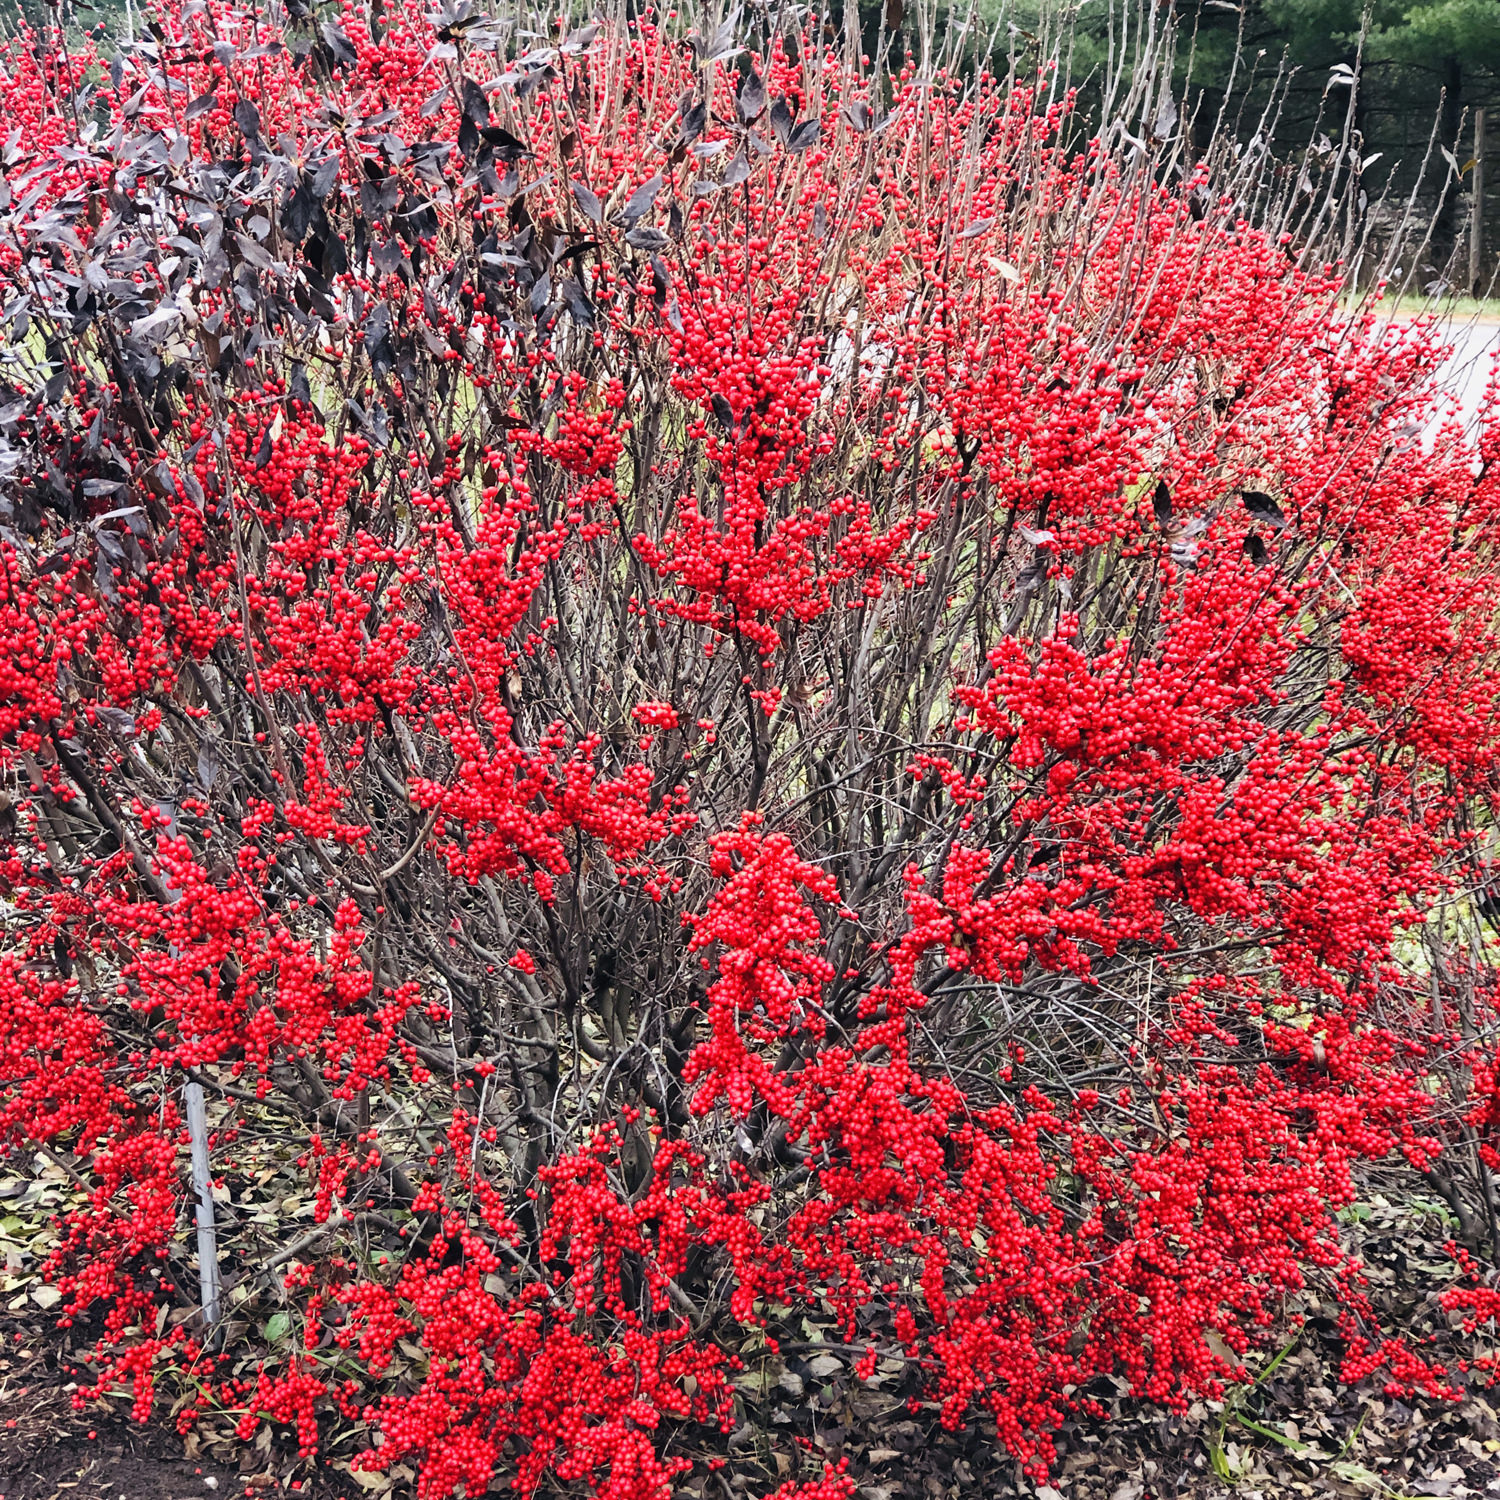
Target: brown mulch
x,y
1401,1452
1293,1433
49,1451
1331,1441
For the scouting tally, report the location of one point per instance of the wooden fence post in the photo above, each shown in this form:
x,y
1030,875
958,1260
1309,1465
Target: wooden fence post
x,y
1477,278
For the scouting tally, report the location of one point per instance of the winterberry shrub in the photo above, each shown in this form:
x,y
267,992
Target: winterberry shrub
x,y
708,687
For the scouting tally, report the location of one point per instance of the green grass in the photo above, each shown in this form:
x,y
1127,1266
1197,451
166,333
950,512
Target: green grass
x,y
1460,309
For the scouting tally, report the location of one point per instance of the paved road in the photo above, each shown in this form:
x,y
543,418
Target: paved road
x,y
1475,347
1475,342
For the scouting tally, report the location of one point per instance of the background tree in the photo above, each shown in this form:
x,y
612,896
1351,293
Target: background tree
x,y
1422,71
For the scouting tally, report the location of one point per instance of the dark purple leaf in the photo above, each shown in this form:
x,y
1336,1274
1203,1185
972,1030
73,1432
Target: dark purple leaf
x,y
751,102
859,115
694,117
323,177
507,147
247,117
579,306
476,106
638,204
573,251
1264,508
336,39
579,41
587,201
296,214
647,238
1161,504
804,136
104,577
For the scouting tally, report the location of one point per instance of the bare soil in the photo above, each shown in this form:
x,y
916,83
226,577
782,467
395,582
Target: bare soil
x,y
50,1451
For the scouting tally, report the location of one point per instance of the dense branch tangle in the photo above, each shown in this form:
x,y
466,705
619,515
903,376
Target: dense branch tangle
x,y
696,684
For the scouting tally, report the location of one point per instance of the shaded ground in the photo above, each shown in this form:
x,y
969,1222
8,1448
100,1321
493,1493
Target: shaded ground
x,y
1291,1432
1294,1434
49,1451
1399,1450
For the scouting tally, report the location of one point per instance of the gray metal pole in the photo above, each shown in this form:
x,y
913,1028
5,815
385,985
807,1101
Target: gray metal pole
x,y
208,1243
197,1121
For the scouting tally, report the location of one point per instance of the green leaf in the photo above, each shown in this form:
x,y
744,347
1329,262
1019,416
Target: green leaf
x,y
1219,1462
1276,1437
278,1325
